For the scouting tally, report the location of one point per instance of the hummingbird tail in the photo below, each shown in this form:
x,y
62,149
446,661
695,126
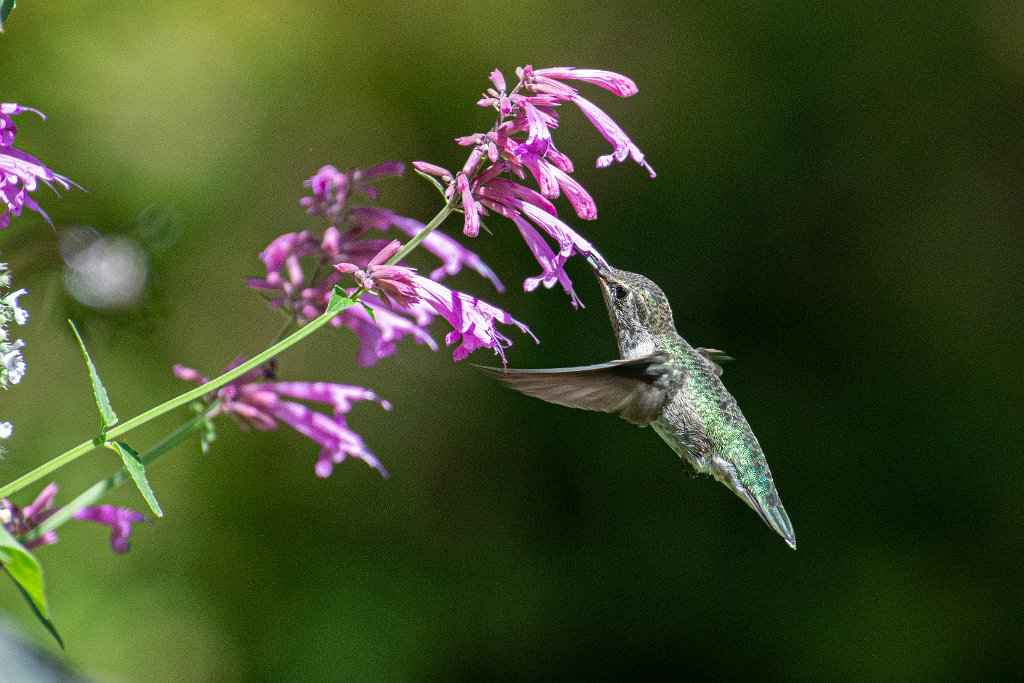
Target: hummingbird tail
x,y
779,520
775,516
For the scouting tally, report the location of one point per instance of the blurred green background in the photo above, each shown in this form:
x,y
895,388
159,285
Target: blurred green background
x,y
839,206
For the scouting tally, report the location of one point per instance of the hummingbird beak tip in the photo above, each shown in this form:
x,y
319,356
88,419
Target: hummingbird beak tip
x,y
598,263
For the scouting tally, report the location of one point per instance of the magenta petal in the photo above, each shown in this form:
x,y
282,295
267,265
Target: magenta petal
x,y
539,139
551,266
335,437
378,337
388,168
472,223
609,80
546,180
453,255
42,503
339,396
498,79
432,169
282,247
611,131
370,217
472,320
119,520
189,375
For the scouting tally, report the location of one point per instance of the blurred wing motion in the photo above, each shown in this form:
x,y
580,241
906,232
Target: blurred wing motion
x,y
636,388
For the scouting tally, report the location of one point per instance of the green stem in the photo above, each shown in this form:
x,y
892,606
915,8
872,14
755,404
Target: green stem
x,y
214,384
427,229
95,492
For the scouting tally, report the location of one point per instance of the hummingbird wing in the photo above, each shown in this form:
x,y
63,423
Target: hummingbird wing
x,y
636,388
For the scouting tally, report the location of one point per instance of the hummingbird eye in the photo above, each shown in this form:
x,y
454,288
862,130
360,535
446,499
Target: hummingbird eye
x,y
620,292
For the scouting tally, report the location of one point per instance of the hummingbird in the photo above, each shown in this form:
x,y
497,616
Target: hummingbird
x,y
662,381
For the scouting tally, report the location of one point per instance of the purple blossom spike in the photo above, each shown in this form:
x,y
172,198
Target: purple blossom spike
x,y
260,403
20,172
119,520
520,145
24,520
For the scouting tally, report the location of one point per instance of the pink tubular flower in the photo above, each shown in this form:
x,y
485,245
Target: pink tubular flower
x,y
24,520
611,131
259,403
549,81
390,283
119,520
472,320
19,172
609,80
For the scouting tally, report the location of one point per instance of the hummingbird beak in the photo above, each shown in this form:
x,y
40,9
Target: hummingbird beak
x,y
597,262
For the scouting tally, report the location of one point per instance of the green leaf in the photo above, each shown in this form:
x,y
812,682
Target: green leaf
x,y
433,181
369,312
107,415
133,464
339,301
47,624
27,575
5,11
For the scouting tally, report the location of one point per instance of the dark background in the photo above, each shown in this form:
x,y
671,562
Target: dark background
x,y
838,205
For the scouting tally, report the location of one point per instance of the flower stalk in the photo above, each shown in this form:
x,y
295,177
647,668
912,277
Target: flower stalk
x,y
214,384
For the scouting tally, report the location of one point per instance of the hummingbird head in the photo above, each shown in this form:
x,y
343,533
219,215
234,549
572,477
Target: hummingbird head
x,y
637,307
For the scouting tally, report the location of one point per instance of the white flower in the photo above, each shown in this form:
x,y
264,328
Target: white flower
x,y
6,429
20,314
13,362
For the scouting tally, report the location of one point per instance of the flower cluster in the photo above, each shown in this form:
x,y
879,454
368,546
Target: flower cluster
x,y
520,142
257,402
300,275
20,172
20,522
